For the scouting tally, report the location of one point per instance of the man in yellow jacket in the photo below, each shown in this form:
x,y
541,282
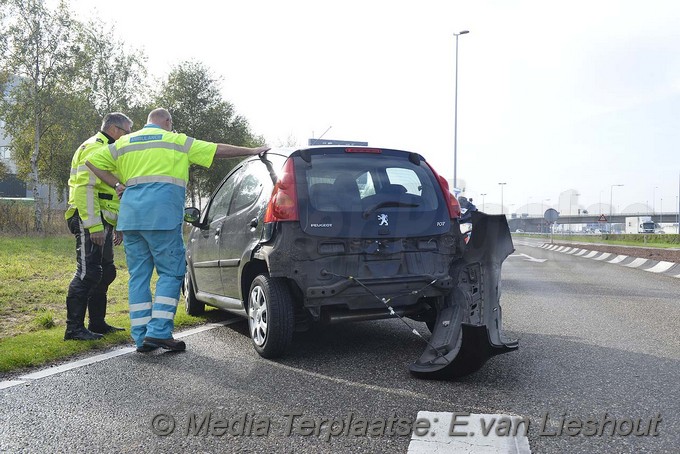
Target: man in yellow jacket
x,y
153,166
91,216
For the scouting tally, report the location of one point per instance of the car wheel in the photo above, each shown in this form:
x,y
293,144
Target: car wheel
x,y
192,305
270,316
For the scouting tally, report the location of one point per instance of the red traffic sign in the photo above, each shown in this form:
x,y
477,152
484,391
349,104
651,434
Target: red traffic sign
x,y
603,218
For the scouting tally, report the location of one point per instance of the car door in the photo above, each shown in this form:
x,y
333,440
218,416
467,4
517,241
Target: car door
x,y
242,228
205,243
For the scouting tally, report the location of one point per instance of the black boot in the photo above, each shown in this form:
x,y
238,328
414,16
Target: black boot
x,y
103,328
75,314
168,344
96,299
82,334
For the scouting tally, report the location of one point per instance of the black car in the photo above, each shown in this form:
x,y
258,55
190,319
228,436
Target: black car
x,y
335,234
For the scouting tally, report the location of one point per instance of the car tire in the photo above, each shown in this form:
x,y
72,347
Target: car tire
x,y
192,305
270,316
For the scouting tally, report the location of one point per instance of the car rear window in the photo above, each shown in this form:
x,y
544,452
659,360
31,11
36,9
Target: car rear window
x,y
364,194
356,182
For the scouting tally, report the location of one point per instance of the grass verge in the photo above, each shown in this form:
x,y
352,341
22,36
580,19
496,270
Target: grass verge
x,y
35,273
656,241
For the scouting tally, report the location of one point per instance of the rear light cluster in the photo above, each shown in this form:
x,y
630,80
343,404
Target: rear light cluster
x,y
451,201
283,204
363,150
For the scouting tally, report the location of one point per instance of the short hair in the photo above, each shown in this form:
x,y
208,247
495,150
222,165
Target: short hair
x,y
158,115
116,119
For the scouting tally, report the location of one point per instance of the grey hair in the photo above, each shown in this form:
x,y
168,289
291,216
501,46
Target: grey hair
x,y
158,115
116,119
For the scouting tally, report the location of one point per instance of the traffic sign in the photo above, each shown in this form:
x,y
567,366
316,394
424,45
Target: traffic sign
x,y
602,218
551,215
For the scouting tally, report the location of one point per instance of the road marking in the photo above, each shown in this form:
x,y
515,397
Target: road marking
x,y
10,383
590,255
661,267
618,259
604,256
76,364
485,434
583,251
112,354
528,258
637,262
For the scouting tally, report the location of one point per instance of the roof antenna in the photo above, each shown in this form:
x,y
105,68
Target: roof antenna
x,y
329,128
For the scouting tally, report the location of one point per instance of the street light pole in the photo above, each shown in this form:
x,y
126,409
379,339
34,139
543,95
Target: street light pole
x,y
455,121
611,192
502,208
653,200
483,203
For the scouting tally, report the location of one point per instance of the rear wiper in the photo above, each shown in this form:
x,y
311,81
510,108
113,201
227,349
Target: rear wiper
x,y
389,203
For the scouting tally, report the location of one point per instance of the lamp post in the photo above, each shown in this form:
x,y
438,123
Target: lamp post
x,y
611,192
653,200
483,204
502,208
455,111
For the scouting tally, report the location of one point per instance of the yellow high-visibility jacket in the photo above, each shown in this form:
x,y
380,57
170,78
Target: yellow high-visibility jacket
x,y
154,166
88,194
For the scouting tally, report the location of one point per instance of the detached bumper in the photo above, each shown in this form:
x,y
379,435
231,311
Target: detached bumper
x,y
468,330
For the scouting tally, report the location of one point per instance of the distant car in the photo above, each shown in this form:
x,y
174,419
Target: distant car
x,y
335,234
519,231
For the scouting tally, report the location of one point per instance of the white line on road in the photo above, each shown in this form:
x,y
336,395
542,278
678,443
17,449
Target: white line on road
x,y
528,258
637,262
661,267
485,434
604,256
10,383
97,358
618,259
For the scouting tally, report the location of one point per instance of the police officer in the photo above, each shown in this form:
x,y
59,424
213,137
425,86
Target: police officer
x,y
153,166
91,217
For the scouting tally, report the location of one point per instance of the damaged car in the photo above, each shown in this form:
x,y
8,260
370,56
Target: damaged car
x,y
336,234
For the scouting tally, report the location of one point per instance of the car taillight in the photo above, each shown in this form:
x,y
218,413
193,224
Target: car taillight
x,y
451,201
283,204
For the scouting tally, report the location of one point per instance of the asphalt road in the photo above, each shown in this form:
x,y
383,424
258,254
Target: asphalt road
x,y
595,338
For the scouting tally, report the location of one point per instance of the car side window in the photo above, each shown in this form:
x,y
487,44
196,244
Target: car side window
x,y
220,203
249,188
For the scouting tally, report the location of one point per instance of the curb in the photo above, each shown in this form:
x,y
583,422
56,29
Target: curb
x,y
653,266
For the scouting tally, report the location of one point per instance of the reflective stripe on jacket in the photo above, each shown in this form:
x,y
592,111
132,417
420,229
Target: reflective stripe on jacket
x,y
154,166
89,195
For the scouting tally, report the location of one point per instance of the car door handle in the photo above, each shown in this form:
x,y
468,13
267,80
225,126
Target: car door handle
x,y
253,223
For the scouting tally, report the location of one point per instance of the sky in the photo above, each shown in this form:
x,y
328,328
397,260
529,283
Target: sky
x,y
559,100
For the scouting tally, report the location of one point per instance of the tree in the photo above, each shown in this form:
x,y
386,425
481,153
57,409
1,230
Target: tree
x,y
38,52
192,95
113,77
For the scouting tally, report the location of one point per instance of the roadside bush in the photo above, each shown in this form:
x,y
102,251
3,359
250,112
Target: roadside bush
x,y
17,217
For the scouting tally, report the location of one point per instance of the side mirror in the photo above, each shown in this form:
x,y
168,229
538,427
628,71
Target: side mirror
x,y
192,215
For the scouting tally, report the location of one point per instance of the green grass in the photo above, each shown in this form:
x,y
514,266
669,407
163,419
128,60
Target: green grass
x,y
35,273
659,241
